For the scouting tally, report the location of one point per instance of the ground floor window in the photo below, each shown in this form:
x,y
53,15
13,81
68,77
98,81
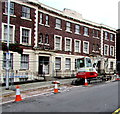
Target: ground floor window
x,y
57,63
68,64
10,61
24,61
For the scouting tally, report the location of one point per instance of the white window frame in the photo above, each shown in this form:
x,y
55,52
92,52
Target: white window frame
x,y
86,52
13,39
77,29
67,64
29,40
107,54
86,31
79,45
70,44
55,42
111,50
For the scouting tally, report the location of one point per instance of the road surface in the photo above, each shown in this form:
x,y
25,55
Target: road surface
x,y
96,98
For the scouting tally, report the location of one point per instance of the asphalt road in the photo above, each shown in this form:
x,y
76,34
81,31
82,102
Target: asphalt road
x,y
97,98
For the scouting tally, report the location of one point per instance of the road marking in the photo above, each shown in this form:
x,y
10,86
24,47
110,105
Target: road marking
x,y
117,111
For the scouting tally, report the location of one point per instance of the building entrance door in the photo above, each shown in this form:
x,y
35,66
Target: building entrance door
x,y
43,65
99,66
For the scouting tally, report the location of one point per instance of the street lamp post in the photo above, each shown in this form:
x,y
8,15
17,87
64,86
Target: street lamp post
x,y
7,53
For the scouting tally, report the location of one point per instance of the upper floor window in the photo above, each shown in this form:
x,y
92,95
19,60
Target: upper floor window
x,y
41,18
77,45
112,50
68,26
25,38
25,12
11,8
58,23
86,31
58,42
46,39
68,44
10,61
40,38
24,61
47,20
5,33
106,36
86,47
77,29
111,37
57,63
95,47
95,33
106,49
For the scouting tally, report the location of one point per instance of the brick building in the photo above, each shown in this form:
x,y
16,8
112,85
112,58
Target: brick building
x,y
47,41
118,50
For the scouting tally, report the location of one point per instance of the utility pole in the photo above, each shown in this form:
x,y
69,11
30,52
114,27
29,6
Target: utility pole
x,y
7,53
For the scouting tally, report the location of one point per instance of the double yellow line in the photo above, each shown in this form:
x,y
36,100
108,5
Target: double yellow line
x,y
117,111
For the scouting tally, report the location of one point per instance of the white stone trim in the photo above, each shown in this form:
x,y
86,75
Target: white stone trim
x,y
36,28
101,47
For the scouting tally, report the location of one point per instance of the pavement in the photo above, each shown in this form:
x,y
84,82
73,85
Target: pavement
x,y
34,85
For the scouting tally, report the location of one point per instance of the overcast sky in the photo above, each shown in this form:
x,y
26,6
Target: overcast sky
x,y
99,11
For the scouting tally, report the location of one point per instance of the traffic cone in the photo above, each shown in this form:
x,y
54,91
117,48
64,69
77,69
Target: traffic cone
x,y
117,78
18,96
56,88
86,83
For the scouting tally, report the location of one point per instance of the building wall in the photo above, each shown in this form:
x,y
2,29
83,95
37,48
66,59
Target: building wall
x,y
35,50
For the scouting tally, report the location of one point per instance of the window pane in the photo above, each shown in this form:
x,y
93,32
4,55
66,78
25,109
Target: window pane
x,y
24,61
85,47
57,43
58,63
58,23
25,36
68,26
10,61
85,31
10,35
25,12
68,64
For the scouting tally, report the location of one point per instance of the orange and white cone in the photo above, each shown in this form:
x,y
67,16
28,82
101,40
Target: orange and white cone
x,y
86,83
117,78
56,88
18,96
